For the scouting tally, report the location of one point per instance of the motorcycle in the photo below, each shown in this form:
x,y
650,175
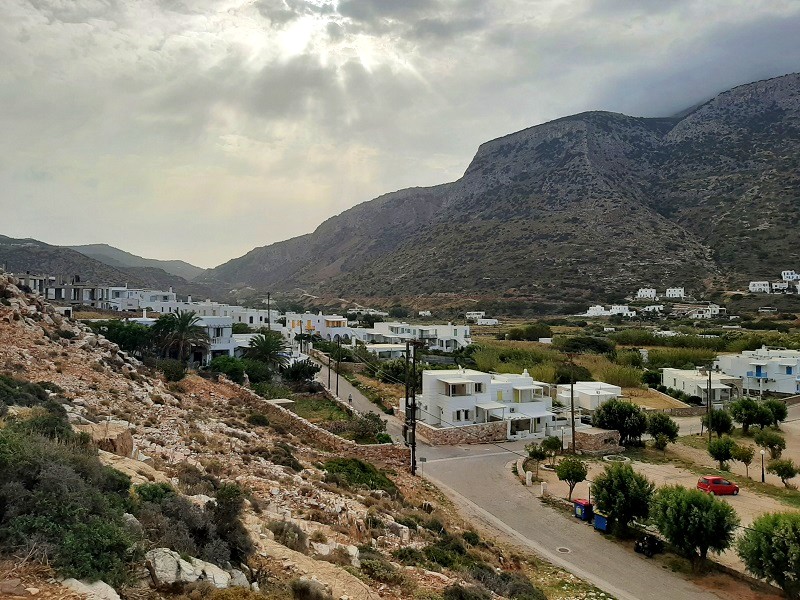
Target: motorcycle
x,y
648,545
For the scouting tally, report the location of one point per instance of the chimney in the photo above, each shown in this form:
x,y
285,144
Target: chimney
x,y
170,289
189,298
144,313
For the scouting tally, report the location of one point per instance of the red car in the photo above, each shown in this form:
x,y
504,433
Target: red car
x,y
717,486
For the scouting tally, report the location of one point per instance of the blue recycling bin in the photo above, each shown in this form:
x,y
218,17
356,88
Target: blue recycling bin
x,y
601,522
583,509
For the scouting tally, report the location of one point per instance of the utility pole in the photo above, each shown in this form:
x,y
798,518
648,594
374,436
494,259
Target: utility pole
x,y
338,360
329,370
708,397
407,403
410,426
572,404
269,315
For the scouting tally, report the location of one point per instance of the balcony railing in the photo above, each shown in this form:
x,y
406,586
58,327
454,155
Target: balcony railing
x,y
754,375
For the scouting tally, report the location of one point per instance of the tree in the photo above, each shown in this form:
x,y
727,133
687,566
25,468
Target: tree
x,y
179,332
783,468
778,410
623,494
721,450
231,367
552,445
302,370
772,441
241,328
270,348
537,454
572,470
770,549
129,336
625,417
662,428
745,411
743,454
693,522
764,416
721,422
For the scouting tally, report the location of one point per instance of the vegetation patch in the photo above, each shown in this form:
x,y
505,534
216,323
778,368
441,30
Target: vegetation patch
x,y
357,474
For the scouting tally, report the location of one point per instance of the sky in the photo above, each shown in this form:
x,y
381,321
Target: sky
x,y
200,129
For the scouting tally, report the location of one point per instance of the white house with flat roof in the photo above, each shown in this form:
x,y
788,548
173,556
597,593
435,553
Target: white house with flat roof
x,y
588,394
446,338
646,294
676,292
694,382
488,322
790,275
328,327
780,287
759,287
764,370
598,310
387,351
475,314
457,397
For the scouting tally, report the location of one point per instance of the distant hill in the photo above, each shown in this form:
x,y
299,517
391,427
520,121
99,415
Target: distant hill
x,y
115,257
587,207
22,255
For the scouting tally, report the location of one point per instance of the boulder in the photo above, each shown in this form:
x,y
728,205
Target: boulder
x,y
116,439
99,590
238,579
211,573
167,568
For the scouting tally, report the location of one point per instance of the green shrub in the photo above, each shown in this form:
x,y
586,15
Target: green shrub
x,y
290,535
410,556
354,473
229,366
621,375
271,391
258,419
257,371
173,370
471,537
380,569
458,592
510,585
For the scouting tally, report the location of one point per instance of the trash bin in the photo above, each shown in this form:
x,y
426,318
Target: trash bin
x,y
601,522
583,509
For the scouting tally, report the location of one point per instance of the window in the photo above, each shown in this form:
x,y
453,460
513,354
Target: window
x,y
251,320
478,388
789,370
466,415
457,416
499,395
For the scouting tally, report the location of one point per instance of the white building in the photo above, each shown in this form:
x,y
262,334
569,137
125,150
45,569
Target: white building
x,y
475,314
220,337
457,397
490,322
646,294
387,351
598,310
780,287
676,292
764,370
653,308
328,327
759,287
125,298
695,383
709,311
790,275
588,394
425,313
446,338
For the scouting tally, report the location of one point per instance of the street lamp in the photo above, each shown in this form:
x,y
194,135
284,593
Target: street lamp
x,y
763,452
589,487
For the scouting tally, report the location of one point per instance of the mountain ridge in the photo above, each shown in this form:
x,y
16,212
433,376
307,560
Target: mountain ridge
x,y
586,206
115,257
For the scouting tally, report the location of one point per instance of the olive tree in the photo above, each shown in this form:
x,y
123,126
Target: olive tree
x,y
721,450
623,494
778,410
572,470
537,454
719,421
770,549
745,411
772,441
663,429
693,522
783,468
743,454
552,445
627,418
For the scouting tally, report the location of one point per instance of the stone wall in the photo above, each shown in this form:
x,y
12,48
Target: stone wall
x,y
481,433
591,440
390,454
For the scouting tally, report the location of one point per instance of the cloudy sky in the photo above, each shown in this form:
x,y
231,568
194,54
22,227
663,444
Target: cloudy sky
x,y
199,129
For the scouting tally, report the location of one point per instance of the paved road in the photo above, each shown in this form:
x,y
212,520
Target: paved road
x,y
360,402
479,479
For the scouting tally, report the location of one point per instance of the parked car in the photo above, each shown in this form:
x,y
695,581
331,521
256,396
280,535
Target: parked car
x,y
717,486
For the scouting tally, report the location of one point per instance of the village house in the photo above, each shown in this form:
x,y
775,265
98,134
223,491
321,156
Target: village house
x,y
489,322
458,397
616,309
646,294
676,292
474,314
774,370
589,395
759,287
329,327
694,382
220,337
790,275
446,338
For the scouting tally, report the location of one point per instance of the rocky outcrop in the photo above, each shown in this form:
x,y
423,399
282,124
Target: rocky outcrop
x,y
98,590
115,439
168,570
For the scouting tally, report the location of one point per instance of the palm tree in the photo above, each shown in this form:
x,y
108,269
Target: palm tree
x,y
269,348
179,332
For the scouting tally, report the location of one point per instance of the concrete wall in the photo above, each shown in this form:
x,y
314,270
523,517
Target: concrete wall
x,y
597,441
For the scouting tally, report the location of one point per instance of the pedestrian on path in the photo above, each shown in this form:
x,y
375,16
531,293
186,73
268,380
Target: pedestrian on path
x,y
350,399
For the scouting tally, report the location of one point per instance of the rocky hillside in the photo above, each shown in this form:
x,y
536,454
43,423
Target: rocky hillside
x,y
585,207
21,255
313,529
115,257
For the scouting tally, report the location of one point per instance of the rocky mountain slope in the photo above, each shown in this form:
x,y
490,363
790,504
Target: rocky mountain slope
x,y
21,255
585,207
115,257
198,431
